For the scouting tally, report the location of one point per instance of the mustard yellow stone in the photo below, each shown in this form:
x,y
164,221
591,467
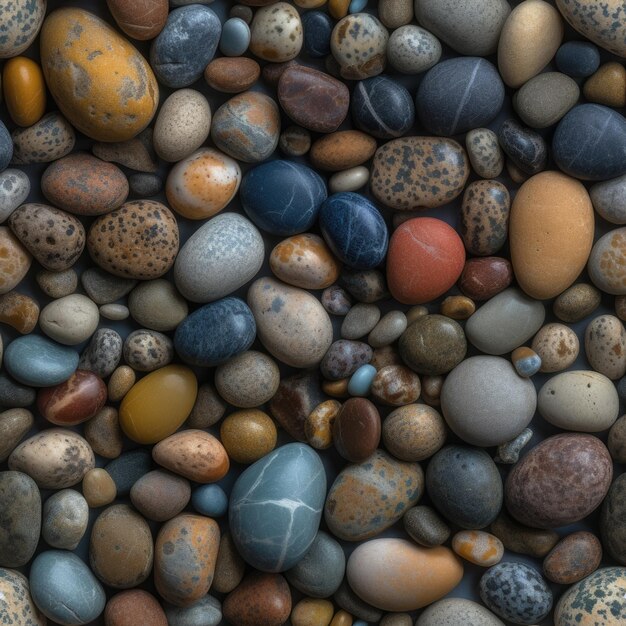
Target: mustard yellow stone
x,y
24,90
99,80
158,404
338,8
312,612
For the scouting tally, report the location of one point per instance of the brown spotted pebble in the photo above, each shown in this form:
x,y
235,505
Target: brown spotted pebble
x,y
557,345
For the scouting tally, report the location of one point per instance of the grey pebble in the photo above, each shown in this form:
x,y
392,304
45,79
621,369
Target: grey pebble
x,y
14,189
147,350
360,320
145,185
344,357
157,305
114,312
509,452
348,600
104,288
426,526
14,395
208,409
609,199
103,353
65,519
128,468
484,152
205,612
412,49
388,329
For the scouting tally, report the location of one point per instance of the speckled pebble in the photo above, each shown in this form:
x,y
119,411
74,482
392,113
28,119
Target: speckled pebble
x,y
51,138
336,301
57,284
157,305
103,353
412,49
575,557
103,431
605,346
557,345
478,547
65,519
365,285
577,302
147,350
484,152
276,33
14,189
295,141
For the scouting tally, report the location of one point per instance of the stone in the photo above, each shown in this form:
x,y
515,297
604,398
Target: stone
x,y
351,179
295,141
70,320
309,610
365,285
210,500
526,362
578,59
576,303
395,13
141,22
342,150
523,539
478,547
98,488
413,432
101,104
609,199
457,612
19,311
230,567
607,85
318,426
159,495
388,329
105,288
605,346
103,433
128,468
526,149
122,379
484,152
317,27
356,430
557,345
575,557
395,385
205,612
57,284
208,408
612,529
51,138
145,185
14,425
605,262
336,301
136,154
22,22
617,437
413,50
17,599
14,262
232,74
352,605
248,435
424,525
235,37
360,383
157,305
14,189
7,148
343,358
360,320
276,33
147,350
135,607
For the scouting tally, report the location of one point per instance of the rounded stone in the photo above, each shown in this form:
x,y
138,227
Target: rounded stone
x,y
295,141
22,21
605,346
248,435
360,320
65,519
341,150
317,28
103,432
578,59
607,86
573,558
609,199
413,50
147,350
577,302
343,358
17,599
144,21
232,74
157,305
526,149
229,568
204,612
557,346
484,152
14,189
424,525
70,320
126,469
276,33
612,528
98,488
14,424
159,495
356,430
478,547
57,284
134,608
210,500
235,37
51,138
457,612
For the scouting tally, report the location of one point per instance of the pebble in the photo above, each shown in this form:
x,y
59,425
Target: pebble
x,y
522,539
157,305
297,189
365,285
516,592
160,495
122,379
526,362
413,432
360,320
352,605
526,149
137,241
147,350
457,612
609,199
341,150
343,358
478,547
157,405
15,423
336,301
351,179
554,484
64,588
606,261
366,498
413,50
388,329
424,525
295,141
607,85
484,152
431,390
317,27
7,147
578,59
458,95
136,154
576,303
15,260
377,573
235,37
360,383
229,568
98,488
557,346
529,39
70,320
57,284
105,288
313,99
505,322
24,90
14,189
232,74
134,607
605,346
144,21
65,519
276,33
575,557
17,599
204,612
247,127
612,524
356,430
248,435
210,500
395,13
103,432
318,426
312,611
51,138
21,23
128,468
19,311
208,409
185,46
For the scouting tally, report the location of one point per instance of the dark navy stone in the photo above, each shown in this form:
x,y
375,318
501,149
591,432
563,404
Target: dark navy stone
x,y
282,197
6,147
64,589
215,332
382,107
453,478
13,395
128,468
317,27
516,592
578,59
354,230
458,95
525,147
276,507
210,500
590,143
186,45
621,388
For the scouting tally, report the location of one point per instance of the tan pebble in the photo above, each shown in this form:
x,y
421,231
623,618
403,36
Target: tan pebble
x,y
98,488
51,138
276,33
15,260
620,307
431,389
415,312
351,179
232,74
318,426
312,612
342,618
478,547
115,312
336,388
577,303
575,557
122,379
229,567
57,284
387,355
103,432
607,86
458,307
208,409
395,385
14,424
557,345
605,346
295,141
517,175
248,435
19,311
342,150
395,13
136,154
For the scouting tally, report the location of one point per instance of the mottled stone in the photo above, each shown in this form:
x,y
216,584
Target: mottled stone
x,y
413,50
425,526
523,539
484,152
17,600
159,495
573,558
606,262
526,148
51,138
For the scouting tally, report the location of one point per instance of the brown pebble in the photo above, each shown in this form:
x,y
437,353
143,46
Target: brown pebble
x,y
395,385
295,141
576,303
457,307
342,618
232,74
415,312
356,431
134,607
573,558
104,434
248,435
342,150
557,345
522,539
98,488
229,567
122,379
617,440
607,86
385,356
273,71
140,20
336,388
431,389
483,278
318,426
19,311
208,409
620,307
160,495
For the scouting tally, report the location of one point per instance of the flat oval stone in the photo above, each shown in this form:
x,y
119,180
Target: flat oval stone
x,y
17,599
366,498
454,476
64,589
407,172
51,138
160,496
574,557
185,46
612,527
276,33
478,547
504,406
606,262
14,189
590,143
291,323
262,524
282,197
458,95
232,74
144,21
356,430
457,612
22,21
605,346
608,198
388,573
413,50
157,305
560,481
526,149
313,99
24,90
484,152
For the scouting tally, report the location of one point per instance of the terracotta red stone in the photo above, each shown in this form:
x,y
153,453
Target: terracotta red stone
x,y
426,257
356,431
134,608
75,401
483,278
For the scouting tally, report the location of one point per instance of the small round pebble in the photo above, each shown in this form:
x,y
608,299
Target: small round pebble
x,y
98,488
160,495
557,345
336,301
103,432
617,440
147,350
360,320
413,50
573,558
295,141
157,305
361,381
145,185
351,179
65,517
235,37
484,152
478,547
57,284
114,312
424,525
210,500
388,329
578,59
248,435
122,379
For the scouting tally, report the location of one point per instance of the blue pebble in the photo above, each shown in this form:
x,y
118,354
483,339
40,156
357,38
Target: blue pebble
x,y
458,95
356,6
185,46
361,381
282,197
354,230
128,468
215,332
39,362
527,365
235,37
578,59
382,107
590,143
360,622
6,147
210,500
318,28
64,589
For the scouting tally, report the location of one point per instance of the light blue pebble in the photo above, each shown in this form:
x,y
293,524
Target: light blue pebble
x,y
527,366
210,500
356,6
361,381
235,37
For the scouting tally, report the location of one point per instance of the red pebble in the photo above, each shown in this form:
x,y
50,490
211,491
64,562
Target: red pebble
x,y
484,277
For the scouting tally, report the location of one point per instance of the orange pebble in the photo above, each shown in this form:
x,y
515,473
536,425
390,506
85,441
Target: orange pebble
x,y
24,90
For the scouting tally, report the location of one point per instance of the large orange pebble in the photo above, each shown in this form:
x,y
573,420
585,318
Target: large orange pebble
x,y
426,257
184,558
398,575
24,90
99,80
550,233
194,454
158,404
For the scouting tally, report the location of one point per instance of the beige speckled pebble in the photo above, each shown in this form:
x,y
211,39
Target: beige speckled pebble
x,y
116,312
484,152
57,284
360,320
182,125
14,424
395,13
276,33
51,138
558,347
388,329
156,304
122,379
103,430
70,320
605,346
147,350
577,302
349,180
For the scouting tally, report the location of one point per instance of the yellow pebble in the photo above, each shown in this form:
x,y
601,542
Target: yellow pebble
x,y
336,388
312,612
98,488
338,8
248,435
458,307
318,426
24,90
120,383
342,618
310,4
415,312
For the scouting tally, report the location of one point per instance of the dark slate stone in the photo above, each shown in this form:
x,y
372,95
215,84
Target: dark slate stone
x,y
525,147
382,107
458,95
128,468
185,46
613,520
354,230
13,395
6,147
282,197
351,603
454,478
215,332
276,507
145,185
590,143
621,389
578,59
317,27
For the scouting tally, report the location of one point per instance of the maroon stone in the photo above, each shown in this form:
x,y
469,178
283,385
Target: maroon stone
x,y
273,71
356,431
482,278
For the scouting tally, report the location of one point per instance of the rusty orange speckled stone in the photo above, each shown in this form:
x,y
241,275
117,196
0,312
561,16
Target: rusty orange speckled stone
x,y
478,547
134,607
607,262
573,558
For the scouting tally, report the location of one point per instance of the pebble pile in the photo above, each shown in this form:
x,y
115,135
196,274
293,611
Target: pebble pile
x,y
313,312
